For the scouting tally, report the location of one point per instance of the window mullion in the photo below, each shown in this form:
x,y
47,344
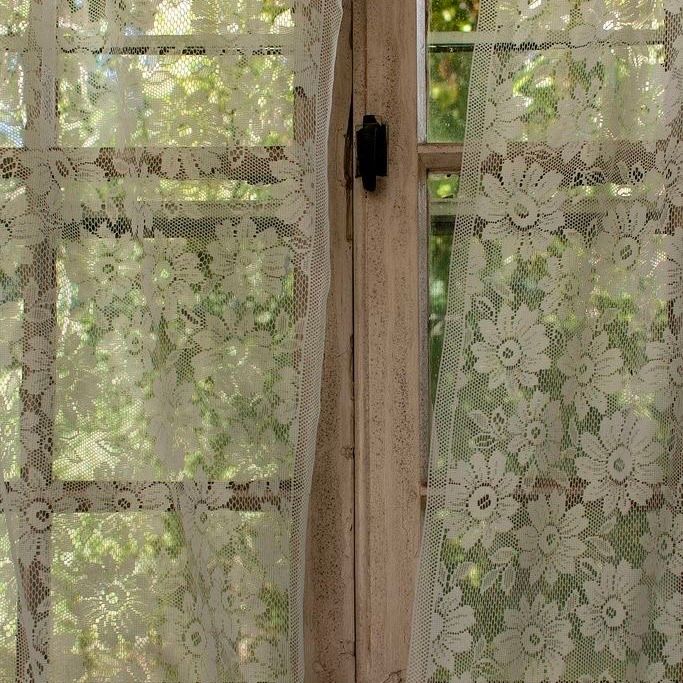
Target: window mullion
x,y
100,496
197,43
440,156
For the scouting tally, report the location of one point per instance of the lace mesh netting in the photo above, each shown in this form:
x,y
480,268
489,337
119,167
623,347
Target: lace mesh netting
x,y
553,544
163,274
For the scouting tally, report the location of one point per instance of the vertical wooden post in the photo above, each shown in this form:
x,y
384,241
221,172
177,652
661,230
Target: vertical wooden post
x,y
388,348
329,596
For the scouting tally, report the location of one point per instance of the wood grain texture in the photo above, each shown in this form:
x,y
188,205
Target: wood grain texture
x,y
329,596
388,345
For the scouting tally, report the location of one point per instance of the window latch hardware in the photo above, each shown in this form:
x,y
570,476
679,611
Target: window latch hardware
x,y
371,151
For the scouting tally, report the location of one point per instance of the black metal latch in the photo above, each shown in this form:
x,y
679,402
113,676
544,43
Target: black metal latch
x,y
371,151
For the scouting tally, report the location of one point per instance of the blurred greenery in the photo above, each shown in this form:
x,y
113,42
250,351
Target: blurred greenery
x,y
453,15
449,70
442,189
449,73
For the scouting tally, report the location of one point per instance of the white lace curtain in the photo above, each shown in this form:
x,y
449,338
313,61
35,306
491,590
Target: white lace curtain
x,y
553,545
163,274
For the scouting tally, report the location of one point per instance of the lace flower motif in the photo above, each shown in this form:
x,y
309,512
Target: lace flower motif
x,y
536,431
552,543
18,230
174,420
236,592
129,346
187,643
524,19
576,128
628,249
236,355
616,611
522,207
597,22
670,623
479,500
662,375
249,262
34,503
451,622
567,287
671,164
114,598
504,113
534,643
592,371
645,671
103,267
513,349
663,543
670,270
170,276
621,463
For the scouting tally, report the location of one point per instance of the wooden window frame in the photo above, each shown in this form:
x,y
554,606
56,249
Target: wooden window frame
x,y
391,400
329,602
391,310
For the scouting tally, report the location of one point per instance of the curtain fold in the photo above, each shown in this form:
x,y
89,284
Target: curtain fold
x,y
164,268
553,539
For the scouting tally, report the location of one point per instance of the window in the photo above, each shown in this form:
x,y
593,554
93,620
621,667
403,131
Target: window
x,y
97,493
390,254
404,235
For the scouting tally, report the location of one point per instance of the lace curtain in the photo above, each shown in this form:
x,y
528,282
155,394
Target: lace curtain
x,y
553,542
163,274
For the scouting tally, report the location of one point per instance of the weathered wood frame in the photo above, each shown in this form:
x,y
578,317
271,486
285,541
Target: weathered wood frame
x,y
390,331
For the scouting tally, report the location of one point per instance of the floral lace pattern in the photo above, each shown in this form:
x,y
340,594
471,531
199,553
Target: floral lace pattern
x,y
163,273
553,542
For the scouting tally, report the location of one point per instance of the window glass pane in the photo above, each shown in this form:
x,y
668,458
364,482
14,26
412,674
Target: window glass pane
x,y
121,100
13,18
442,190
85,23
12,105
12,255
124,598
453,15
449,57
143,391
449,73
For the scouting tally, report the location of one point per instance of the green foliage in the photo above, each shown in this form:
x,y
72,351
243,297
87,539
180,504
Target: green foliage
x,y
453,15
442,189
449,71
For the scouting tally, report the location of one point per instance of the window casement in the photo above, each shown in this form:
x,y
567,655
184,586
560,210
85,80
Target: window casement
x,y
181,186
416,79
390,255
